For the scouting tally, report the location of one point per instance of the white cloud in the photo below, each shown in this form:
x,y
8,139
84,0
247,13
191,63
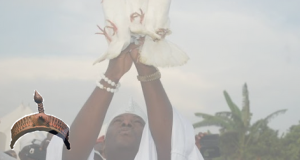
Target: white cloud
x,y
52,68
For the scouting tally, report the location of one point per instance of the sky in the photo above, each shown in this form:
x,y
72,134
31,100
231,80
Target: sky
x,y
50,46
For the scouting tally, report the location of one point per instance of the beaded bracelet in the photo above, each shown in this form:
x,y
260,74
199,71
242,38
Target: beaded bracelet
x,y
101,86
150,77
112,90
109,81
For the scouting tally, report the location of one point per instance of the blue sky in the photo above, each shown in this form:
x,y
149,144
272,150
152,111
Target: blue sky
x,y
50,46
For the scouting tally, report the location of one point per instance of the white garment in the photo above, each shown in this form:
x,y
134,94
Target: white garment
x,y
133,108
183,143
4,156
28,138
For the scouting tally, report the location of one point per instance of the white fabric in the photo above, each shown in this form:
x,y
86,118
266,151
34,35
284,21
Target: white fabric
x,y
55,149
98,153
27,139
4,156
133,108
183,143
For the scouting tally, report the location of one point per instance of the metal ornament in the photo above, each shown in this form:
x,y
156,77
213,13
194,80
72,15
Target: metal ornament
x,y
40,122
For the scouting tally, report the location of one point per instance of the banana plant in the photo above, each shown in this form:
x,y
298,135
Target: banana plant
x,y
237,121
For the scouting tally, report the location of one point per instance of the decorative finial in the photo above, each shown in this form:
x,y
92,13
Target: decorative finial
x,y
37,97
39,100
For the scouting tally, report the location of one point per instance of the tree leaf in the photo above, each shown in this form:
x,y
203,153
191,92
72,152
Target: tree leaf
x,y
274,114
204,115
212,122
233,107
246,115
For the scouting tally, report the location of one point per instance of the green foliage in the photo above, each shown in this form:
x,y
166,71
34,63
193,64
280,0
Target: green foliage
x,y
229,143
241,140
291,143
266,146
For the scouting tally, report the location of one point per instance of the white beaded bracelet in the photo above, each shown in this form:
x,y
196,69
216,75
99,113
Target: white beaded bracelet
x,y
112,90
110,81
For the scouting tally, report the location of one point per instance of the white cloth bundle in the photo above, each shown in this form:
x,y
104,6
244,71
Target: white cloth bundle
x,y
146,18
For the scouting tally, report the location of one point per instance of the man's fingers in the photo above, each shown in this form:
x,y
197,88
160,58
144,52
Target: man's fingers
x,y
134,54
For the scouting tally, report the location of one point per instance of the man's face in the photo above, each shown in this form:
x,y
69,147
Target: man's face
x,y
124,132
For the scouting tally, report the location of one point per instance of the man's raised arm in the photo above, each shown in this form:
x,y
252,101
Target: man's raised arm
x,y
159,109
87,124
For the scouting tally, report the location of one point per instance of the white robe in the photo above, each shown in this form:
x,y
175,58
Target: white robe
x,y
183,143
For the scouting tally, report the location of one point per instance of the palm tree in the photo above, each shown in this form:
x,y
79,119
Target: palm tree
x,y
236,123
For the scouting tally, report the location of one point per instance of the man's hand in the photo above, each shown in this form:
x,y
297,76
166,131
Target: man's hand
x,y
141,68
198,138
118,66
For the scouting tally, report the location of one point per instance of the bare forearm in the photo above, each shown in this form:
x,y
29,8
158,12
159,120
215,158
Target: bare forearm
x,y
87,124
159,111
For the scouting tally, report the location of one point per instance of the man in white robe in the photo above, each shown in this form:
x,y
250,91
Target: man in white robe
x,y
183,146
163,135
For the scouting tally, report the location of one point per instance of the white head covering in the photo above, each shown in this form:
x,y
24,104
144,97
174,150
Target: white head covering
x,y
29,137
133,108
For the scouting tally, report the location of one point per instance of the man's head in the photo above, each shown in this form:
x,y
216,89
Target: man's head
x,y
124,132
